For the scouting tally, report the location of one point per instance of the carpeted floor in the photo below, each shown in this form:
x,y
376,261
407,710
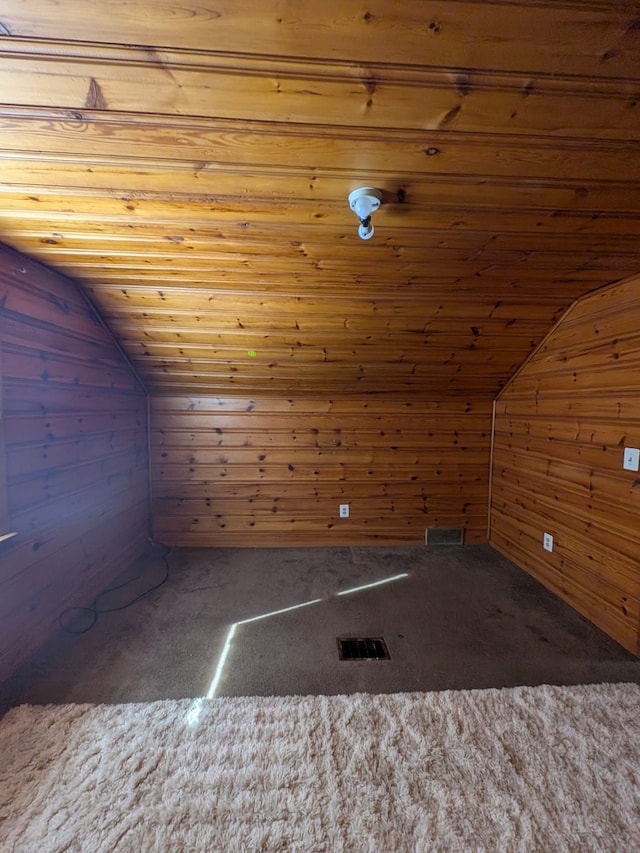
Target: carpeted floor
x,y
518,769
453,619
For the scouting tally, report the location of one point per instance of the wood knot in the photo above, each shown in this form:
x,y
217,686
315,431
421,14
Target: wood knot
x,y
449,117
463,84
95,99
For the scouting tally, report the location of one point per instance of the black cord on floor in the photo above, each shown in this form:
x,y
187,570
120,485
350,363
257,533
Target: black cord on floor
x,y
94,610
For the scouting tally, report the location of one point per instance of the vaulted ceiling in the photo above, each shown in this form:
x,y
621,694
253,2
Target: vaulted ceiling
x,y
189,165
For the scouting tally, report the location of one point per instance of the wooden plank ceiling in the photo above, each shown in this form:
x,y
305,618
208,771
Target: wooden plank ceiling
x,y
190,166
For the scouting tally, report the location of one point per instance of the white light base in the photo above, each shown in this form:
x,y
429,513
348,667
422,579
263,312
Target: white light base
x,y
371,193
366,232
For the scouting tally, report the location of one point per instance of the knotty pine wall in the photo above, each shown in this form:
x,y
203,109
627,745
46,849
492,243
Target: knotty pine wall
x,y
74,420
561,425
270,471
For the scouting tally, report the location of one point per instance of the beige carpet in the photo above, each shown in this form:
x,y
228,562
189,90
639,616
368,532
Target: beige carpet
x,y
544,768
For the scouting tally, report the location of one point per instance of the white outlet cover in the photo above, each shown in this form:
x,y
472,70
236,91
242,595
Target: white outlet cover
x,y
344,510
547,542
631,459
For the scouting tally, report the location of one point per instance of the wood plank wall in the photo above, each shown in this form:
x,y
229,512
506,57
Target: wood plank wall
x,y
271,471
4,507
76,456
560,429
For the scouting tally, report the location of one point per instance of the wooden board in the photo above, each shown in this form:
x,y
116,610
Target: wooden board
x,y
560,430
74,419
162,154
257,471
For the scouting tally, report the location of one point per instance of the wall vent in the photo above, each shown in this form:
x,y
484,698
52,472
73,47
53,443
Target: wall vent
x,y
444,536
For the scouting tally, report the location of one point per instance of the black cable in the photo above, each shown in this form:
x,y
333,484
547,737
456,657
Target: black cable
x,y
94,611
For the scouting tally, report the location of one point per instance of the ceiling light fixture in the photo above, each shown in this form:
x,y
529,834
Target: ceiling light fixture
x,y
364,201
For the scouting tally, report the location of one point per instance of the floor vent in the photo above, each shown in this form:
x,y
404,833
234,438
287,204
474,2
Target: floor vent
x,y
444,536
362,648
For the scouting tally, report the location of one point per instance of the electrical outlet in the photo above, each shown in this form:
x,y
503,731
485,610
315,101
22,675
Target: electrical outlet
x,y
547,542
631,459
344,510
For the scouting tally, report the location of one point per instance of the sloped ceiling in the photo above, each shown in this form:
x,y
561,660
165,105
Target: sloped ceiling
x,y
189,165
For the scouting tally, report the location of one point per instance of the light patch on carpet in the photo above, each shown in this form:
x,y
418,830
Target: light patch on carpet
x,y
373,584
519,769
224,654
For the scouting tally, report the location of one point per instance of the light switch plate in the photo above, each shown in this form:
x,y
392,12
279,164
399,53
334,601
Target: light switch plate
x,y
547,542
631,460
